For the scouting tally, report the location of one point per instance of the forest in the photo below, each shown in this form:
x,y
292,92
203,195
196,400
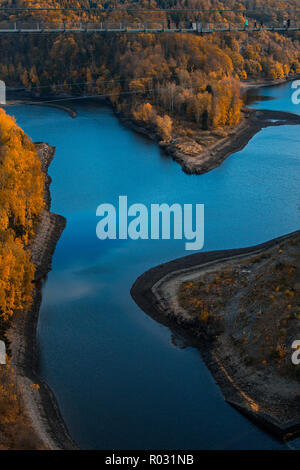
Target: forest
x,y
21,202
165,81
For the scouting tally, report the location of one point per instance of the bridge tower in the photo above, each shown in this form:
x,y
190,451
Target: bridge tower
x,y
2,353
2,92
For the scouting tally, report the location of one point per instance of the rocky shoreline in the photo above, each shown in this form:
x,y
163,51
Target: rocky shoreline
x,y
40,402
265,82
275,409
251,123
212,157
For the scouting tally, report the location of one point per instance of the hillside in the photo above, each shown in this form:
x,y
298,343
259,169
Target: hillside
x,y
179,85
240,308
21,196
253,304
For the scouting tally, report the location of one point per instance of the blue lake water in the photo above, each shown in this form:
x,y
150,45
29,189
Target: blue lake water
x,y
119,380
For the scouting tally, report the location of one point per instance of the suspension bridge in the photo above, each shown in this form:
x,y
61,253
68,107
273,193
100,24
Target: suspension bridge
x,y
104,27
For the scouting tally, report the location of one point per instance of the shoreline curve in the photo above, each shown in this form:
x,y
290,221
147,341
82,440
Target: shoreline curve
x,y
40,403
147,294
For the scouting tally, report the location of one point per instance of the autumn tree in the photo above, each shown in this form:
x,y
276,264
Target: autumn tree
x,y
21,202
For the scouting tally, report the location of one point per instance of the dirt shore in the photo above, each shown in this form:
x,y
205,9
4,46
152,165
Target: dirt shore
x,y
252,121
270,400
185,153
40,403
250,83
213,156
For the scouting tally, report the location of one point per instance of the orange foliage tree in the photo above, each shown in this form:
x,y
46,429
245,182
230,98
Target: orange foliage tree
x,y
21,202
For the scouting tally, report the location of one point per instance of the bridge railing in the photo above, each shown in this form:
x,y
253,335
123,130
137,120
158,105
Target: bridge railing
x,y
189,26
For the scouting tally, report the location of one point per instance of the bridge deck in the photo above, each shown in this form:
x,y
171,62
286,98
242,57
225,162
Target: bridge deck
x,y
141,28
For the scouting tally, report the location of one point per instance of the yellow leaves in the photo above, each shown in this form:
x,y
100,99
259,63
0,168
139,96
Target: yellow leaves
x,y
275,69
144,113
9,401
289,292
16,274
21,179
227,281
226,107
21,201
188,285
197,303
204,317
281,351
164,126
34,386
292,269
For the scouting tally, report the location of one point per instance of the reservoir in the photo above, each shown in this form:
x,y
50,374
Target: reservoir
x,y
122,380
